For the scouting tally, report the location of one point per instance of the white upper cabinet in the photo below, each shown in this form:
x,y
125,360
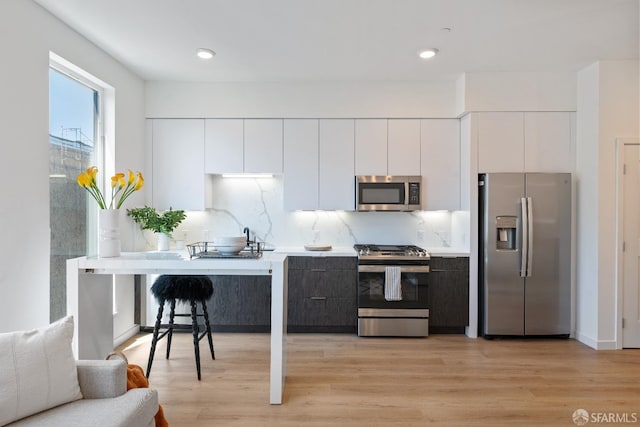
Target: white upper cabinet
x,y
403,147
300,164
263,146
224,146
548,142
501,142
440,163
525,142
371,147
336,173
178,179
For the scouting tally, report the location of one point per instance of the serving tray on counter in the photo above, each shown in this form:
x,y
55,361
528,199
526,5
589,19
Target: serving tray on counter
x,y
315,247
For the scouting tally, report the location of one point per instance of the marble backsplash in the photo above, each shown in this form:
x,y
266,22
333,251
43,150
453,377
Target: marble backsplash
x,y
257,203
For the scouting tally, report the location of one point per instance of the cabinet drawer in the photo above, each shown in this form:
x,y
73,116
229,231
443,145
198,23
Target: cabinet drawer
x,y
323,312
322,263
449,264
325,283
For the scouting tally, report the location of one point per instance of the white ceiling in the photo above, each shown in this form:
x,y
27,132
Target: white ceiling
x,y
347,40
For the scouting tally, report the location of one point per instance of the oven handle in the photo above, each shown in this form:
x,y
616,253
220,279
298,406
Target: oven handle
x,y
403,268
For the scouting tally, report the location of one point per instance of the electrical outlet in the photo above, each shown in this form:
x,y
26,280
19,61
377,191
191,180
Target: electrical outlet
x,y
420,235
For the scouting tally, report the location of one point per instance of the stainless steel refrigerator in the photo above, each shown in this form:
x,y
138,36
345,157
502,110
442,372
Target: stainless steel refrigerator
x,y
525,254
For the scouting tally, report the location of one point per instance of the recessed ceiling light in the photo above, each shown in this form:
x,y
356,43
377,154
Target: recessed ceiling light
x,y
428,53
205,53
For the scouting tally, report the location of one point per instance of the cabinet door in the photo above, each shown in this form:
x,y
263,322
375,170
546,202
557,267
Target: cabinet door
x,y
224,146
240,303
263,146
403,147
336,190
371,146
449,294
300,164
500,142
440,163
178,168
547,142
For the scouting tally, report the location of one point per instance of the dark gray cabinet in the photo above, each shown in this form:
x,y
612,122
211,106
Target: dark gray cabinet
x,y
448,294
322,294
240,304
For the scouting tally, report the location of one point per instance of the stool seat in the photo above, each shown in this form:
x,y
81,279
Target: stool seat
x,y
182,288
187,289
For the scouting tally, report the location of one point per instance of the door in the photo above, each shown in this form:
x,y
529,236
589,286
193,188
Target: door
x,y
631,254
548,285
502,286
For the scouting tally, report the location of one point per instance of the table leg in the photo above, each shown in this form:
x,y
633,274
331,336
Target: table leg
x,y
90,301
279,287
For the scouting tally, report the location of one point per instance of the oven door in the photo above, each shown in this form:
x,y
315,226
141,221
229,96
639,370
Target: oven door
x,y
413,285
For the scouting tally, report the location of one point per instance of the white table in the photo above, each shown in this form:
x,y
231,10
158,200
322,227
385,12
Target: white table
x,y
90,299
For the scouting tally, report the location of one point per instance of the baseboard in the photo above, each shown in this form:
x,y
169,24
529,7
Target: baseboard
x,y
135,329
596,344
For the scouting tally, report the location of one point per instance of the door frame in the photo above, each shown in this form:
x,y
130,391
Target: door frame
x,y
619,256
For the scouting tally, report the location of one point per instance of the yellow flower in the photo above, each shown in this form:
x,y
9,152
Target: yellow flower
x,y
93,172
118,179
139,182
84,179
121,188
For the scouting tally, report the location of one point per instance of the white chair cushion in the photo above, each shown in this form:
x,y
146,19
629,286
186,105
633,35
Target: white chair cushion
x,y
37,370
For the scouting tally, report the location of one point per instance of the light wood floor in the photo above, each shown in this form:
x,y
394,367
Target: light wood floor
x,y
343,380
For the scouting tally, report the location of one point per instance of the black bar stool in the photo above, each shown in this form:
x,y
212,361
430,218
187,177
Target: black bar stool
x,y
187,289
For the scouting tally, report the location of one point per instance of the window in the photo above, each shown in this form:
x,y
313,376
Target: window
x,y
75,137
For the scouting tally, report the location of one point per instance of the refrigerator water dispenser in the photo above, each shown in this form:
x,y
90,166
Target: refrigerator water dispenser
x,y
506,232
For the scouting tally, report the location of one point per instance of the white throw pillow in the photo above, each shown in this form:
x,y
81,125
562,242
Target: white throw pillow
x,y
37,370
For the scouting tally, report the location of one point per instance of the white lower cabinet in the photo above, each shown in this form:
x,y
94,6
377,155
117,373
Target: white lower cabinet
x,y
440,164
178,178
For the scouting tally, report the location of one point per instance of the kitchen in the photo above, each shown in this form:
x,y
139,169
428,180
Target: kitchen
x,y
506,97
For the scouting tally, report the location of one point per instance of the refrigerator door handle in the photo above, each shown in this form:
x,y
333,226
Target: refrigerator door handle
x,y
530,236
524,253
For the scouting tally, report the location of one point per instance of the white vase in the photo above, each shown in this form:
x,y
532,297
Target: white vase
x,y
109,240
163,242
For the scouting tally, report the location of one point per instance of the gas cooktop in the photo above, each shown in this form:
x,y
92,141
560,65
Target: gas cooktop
x,y
391,252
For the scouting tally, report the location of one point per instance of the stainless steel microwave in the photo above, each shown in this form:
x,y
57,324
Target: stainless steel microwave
x,y
388,193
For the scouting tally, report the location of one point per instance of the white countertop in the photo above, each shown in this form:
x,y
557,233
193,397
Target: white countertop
x,y
447,251
301,251
166,262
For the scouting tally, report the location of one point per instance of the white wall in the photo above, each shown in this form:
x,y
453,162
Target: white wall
x,y
607,109
434,99
27,34
586,181
516,91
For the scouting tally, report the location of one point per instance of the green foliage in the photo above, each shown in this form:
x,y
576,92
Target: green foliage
x,y
150,219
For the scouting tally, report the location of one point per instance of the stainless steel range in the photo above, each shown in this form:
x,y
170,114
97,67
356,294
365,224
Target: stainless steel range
x,y
392,290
